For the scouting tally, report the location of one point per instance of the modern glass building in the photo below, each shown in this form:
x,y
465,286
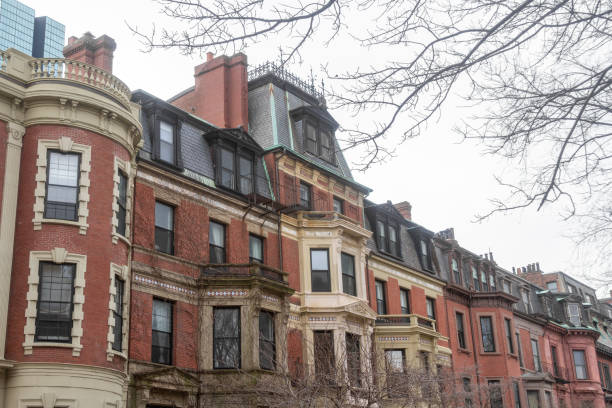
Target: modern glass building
x,y
48,38
19,29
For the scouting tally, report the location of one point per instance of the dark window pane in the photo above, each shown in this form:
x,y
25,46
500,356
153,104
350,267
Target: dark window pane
x,y
55,291
536,355
118,315
267,344
381,234
580,364
122,203
338,205
353,359
216,239
61,200
431,308
319,264
305,196
255,248
348,274
486,328
405,301
227,169
246,175
164,216
311,139
164,240
381,303
393,247
166,142
508,327
226,342
161,342
324,355
460,330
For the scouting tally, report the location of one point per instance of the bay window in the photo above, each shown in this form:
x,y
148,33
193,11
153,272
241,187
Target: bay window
x,y
226,337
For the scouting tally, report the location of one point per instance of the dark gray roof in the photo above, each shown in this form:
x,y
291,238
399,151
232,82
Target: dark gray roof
x,y
270,123
195,150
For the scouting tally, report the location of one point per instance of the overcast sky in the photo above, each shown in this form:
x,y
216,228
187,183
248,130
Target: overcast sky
x,y
446,182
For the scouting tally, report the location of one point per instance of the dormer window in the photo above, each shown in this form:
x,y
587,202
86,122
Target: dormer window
x,y
387,238
573,313
318,140
425,255
475,278
235,169
166,141
455,269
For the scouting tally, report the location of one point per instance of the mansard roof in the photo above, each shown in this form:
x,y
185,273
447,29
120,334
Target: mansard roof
x,y
196,150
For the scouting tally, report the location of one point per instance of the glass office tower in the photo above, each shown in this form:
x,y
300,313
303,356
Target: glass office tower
x,y
19,29
48,38
16,26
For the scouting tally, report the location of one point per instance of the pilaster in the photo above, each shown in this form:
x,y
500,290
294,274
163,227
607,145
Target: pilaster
x,y
7,220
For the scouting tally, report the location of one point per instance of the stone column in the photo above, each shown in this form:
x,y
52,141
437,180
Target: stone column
x,y
7,221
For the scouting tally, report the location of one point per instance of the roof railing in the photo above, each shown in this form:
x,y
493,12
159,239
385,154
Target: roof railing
x,y
282,73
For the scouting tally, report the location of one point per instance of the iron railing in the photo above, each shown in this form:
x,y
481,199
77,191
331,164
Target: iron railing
x,y
279,71
560,373
243,270
406,320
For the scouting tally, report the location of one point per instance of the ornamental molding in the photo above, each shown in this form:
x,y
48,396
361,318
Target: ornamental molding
x,y
64,144
121,271
168,286
228,293
78,298
15,132
392,338
126,167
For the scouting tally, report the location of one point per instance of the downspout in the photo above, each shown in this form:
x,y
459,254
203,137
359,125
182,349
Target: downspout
x,y
368,277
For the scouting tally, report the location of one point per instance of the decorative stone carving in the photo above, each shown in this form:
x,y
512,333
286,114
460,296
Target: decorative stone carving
x,y
48,400
58,255
16,132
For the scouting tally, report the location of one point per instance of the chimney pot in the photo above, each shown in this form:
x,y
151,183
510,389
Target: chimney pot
x,y
405,208
209,56
538,266
90,50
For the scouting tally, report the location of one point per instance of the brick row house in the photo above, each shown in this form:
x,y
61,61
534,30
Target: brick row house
x,y
177,253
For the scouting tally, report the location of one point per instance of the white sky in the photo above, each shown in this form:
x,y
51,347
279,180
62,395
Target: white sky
x,y
446,182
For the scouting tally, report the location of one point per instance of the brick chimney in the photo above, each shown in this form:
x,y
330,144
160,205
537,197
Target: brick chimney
x,y
405,209
91,50
221,92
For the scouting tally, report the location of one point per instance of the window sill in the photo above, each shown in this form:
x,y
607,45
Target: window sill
x,y
112,353
76,348
462,350
490,353
118,237
82,226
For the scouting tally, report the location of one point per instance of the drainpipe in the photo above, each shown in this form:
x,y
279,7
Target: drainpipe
x,y
368,278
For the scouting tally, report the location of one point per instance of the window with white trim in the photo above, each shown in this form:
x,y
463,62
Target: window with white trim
x,y
55,295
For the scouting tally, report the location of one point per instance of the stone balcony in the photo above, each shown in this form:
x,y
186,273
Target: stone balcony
x,y
411,320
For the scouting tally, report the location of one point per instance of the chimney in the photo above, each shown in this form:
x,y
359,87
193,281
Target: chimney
x,y
514,270
491,256
538,267
405,209
221,91
90,50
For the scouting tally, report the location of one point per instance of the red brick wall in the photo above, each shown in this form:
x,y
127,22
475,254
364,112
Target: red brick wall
x,y
185,335
294,351
140,325
291,262
96,244
191,231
